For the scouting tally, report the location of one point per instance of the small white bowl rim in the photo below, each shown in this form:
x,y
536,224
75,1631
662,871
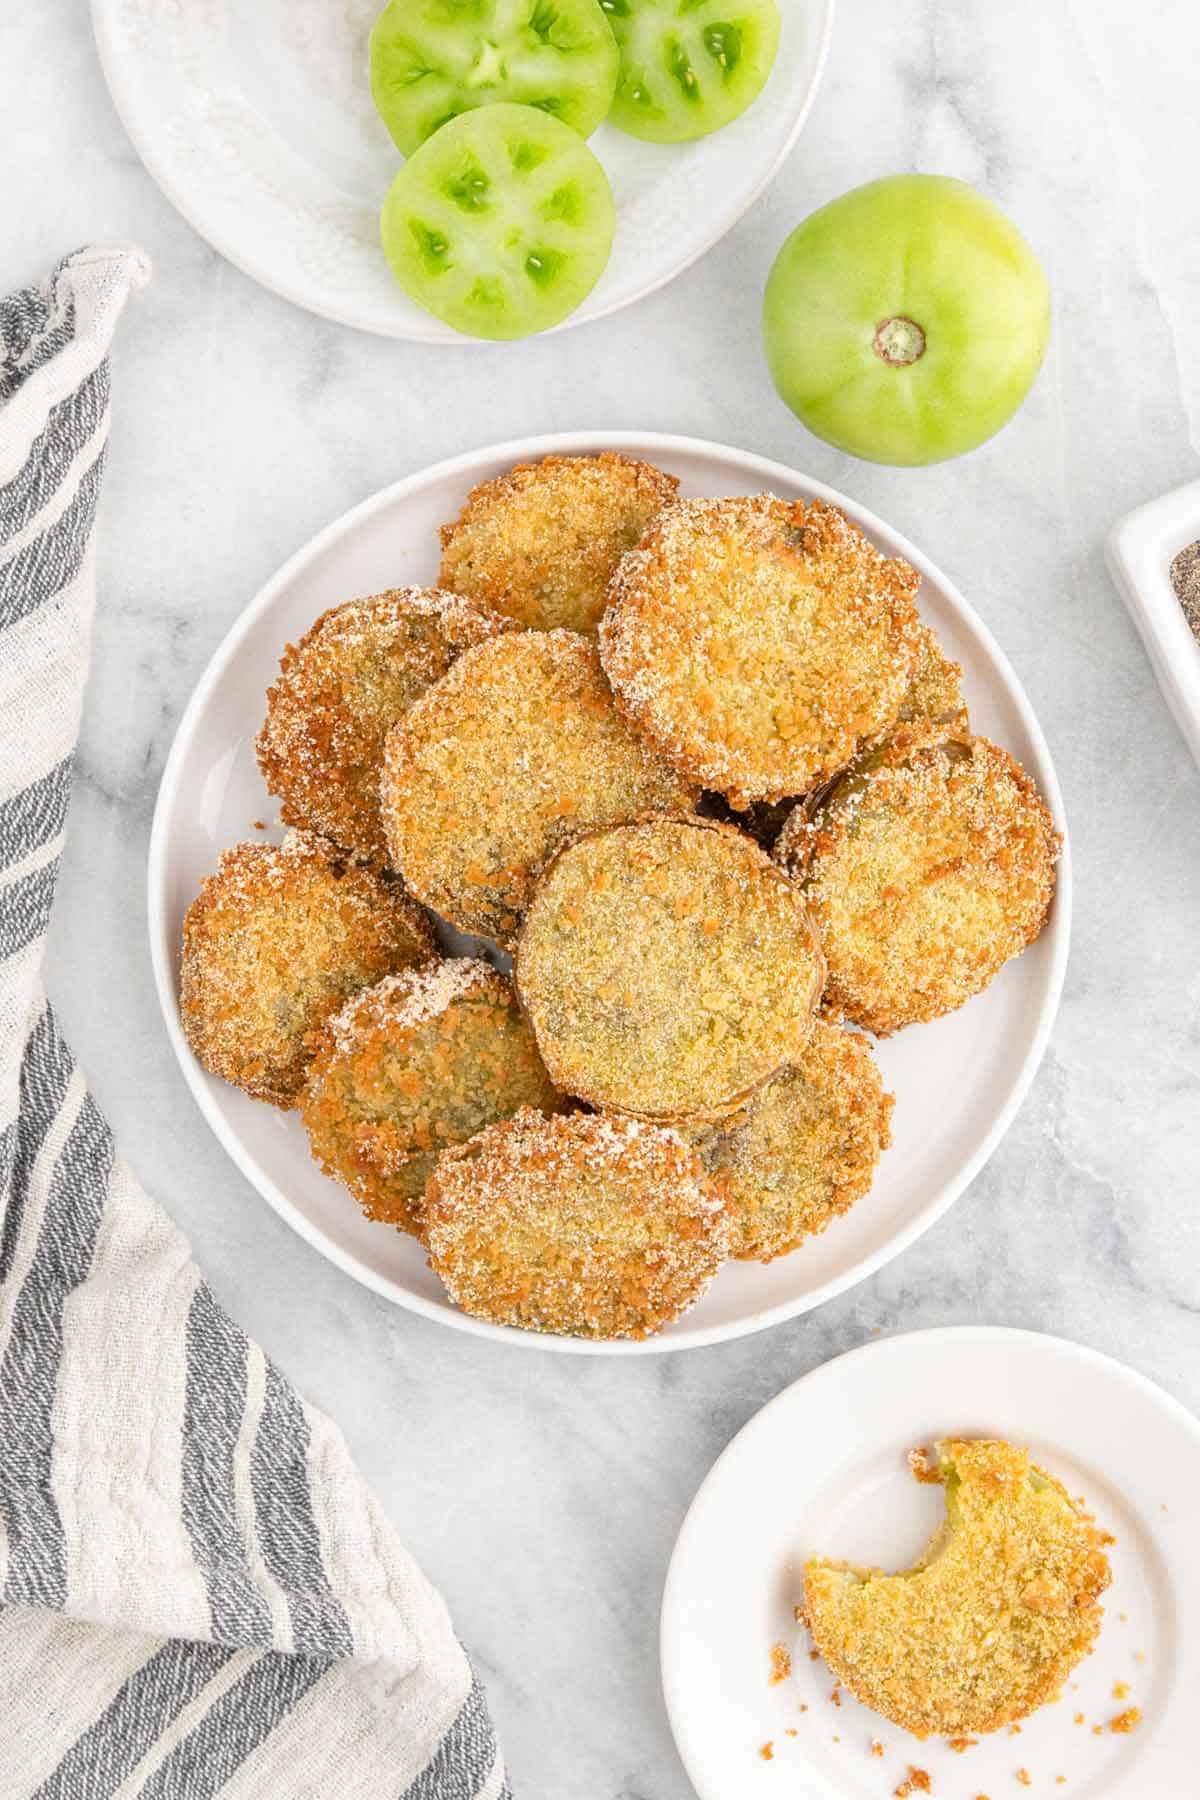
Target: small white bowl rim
x,y
648,444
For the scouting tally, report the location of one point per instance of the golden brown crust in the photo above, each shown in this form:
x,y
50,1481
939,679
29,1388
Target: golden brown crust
x,y
421,1061
667,968
992,1620
541,542
514,752
927,865
803,1149
934,691
759,641
274,943
357,670
581,1224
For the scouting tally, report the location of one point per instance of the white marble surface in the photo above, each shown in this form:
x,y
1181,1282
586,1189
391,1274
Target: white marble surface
x,y
543,1493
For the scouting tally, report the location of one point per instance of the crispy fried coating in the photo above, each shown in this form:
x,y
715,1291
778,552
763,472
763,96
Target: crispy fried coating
x,y
667,969
420,1061
803,1149
759,641
583,1224
927,865
934,692
273,945
515,751
540,543
933,696
991,1621
340,690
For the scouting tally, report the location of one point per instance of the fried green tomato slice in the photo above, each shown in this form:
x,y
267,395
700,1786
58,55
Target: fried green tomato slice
x,y
803,1149
433,59
583,1225
500,224
667,968
990,1622
419,1062
933,696
274,943
927,865
540,543
759,641
340,690
688,67
934,691
515,751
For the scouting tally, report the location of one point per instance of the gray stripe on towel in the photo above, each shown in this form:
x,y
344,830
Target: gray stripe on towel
x,y
46,566
37,1555
141,1711
242,1718
29,334
26,910
67,429
214,1404
35,815
463,1760
46,1069
287,1528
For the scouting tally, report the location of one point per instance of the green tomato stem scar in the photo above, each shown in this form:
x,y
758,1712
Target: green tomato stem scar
x,y
899,341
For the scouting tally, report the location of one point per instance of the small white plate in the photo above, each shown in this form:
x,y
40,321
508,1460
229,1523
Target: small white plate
x,y
822,1470
957,1082
1140,549
257,123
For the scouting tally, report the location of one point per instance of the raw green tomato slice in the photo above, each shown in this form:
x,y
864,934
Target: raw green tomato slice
x,y
500,223
689,66
434,59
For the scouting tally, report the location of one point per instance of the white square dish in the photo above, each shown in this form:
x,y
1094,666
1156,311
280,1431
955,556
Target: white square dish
x,y
1140,550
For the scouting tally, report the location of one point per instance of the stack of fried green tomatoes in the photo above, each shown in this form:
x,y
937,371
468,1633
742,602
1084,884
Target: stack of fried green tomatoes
x,y
501,220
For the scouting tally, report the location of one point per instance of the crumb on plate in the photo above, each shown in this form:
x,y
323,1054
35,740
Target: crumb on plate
x,y
915,1782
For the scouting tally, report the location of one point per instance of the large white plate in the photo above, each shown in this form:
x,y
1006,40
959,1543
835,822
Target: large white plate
x,y
255,118
957,1082
822,1470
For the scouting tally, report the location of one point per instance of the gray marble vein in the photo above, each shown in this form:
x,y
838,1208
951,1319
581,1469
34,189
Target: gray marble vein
x,y
543,1493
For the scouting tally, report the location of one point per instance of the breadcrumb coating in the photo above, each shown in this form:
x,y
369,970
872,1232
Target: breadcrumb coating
x,y
540,543
992,1620
419,1062
927,865
340,690
803,1149
934,691
274,943
759,641
933,696
514,752
668,968
583,1224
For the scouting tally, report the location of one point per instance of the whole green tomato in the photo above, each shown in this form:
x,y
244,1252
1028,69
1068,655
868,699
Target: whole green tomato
x,y
906,321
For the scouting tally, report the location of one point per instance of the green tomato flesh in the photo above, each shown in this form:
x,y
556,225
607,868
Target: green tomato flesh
x,y
906,321
500,223
434,59
688,67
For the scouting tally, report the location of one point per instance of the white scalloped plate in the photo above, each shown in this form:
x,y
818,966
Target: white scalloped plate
x,y
257,123
821,1470
957,1082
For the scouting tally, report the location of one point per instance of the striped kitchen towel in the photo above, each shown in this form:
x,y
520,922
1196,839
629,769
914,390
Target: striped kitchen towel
x,y
200,1595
